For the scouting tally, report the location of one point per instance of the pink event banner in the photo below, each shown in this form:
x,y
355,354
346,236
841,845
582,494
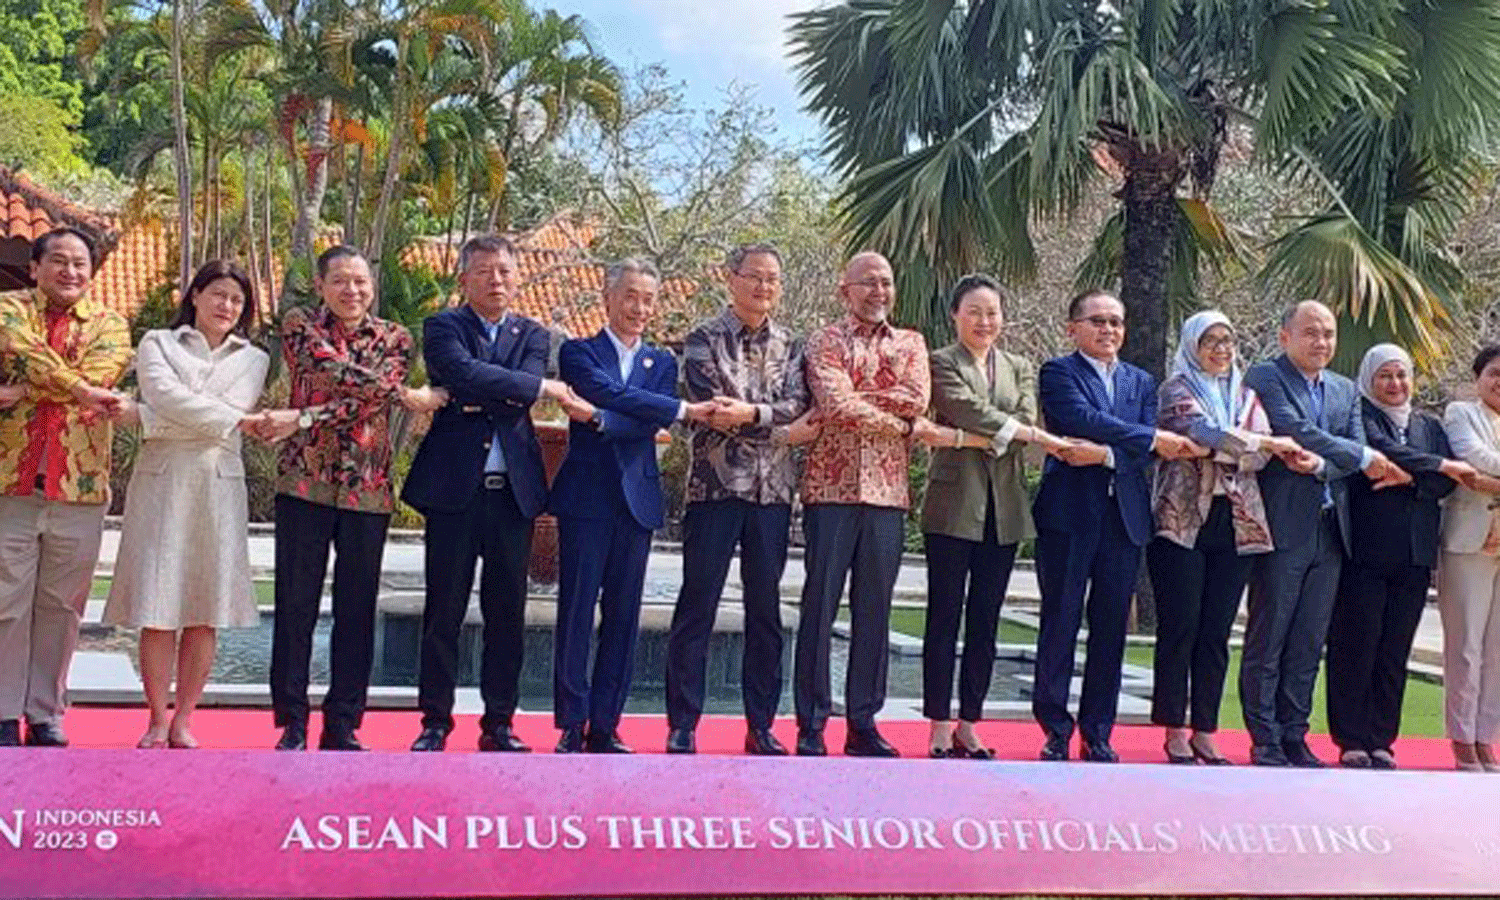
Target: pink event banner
x,y
115,823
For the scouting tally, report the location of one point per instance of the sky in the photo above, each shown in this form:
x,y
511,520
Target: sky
x,y
707,44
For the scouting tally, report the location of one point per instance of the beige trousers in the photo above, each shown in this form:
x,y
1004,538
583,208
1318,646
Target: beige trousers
x,y
1469,600
47,555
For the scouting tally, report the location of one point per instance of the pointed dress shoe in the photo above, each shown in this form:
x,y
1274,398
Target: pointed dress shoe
x,y
1056,748
500,739
1097,751
868,742
1299,755
340,739
810,742
570,741
431,740
761,742
293,737
681,740
606,742
1268,755
45,734
10,732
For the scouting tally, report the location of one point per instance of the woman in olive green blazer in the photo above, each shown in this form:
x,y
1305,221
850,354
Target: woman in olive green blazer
x,y
974,513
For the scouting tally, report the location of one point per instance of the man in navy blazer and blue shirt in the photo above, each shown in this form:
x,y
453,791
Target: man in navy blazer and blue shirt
x,y
1292,588
608,499
1093,516
478,480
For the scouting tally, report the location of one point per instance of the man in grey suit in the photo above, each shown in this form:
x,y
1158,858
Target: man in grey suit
x,y
1292,588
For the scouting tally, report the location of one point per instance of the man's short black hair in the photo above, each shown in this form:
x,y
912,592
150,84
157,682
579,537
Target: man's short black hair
x,y
1485,356
337,251
39,246
1075,306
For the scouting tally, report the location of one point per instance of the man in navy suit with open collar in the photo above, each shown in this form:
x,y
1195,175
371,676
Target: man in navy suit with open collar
x,y
1292,588
1093,516
608,500
478,480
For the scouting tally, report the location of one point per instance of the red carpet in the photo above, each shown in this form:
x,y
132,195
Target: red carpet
x,y
107,727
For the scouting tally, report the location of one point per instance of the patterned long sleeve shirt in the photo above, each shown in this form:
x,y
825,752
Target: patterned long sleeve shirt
x,y
868,382
356,376
762,366
49,444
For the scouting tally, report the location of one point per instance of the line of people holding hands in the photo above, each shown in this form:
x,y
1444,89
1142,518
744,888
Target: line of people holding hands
x,y
1332,500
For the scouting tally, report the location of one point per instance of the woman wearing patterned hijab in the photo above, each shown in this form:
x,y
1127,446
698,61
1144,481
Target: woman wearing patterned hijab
x,y
1209,523
1383,586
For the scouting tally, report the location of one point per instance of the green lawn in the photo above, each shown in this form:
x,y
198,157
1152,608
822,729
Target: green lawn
x,y
265,591
1421,713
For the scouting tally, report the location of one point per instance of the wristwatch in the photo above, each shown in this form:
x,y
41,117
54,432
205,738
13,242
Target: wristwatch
x,y
305,418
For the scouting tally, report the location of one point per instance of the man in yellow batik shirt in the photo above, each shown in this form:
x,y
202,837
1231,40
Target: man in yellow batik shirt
x,y
60,353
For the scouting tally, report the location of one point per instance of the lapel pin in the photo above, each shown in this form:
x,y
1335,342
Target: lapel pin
x,y
515,329
647,362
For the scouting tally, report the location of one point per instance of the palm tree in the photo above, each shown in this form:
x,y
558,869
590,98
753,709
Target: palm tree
x,y
957,124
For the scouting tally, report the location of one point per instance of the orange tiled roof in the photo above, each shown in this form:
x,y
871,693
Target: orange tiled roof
x,y
28,210
561,285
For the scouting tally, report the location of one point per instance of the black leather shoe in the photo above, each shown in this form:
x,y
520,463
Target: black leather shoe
x,y
293,737
868,742
1299,755
1097,751
500,739
761,742
606,742
431,740
10,733
681,740
1268,755
810,743
339,739
1056,748
45,734
570,741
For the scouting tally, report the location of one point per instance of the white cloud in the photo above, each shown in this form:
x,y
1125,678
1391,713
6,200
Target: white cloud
x,y
740,33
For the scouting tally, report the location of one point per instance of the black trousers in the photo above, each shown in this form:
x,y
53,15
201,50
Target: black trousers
x,y
1291,599
1375,618
304,532
711,531
490,526
957,568
845,537
1101,566
1198,593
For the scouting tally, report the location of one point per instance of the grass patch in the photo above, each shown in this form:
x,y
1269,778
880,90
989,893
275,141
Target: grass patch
x,y
265,591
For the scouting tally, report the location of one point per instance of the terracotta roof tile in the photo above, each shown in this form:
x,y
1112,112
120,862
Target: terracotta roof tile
x,y
32,210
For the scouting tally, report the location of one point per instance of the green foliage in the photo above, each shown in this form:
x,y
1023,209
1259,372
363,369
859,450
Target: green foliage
x,y
38,53
37,138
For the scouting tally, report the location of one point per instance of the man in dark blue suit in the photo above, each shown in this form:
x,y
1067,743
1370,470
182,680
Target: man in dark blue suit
x,y
607,498
1292,588
1093,516
478,480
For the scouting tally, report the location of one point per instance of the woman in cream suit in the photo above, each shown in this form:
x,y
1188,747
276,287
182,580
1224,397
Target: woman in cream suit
x,y
1469,575
183,566
974,512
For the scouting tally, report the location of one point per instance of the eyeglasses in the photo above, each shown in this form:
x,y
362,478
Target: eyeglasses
x,y
1103,321
761,280
872,284
1221,343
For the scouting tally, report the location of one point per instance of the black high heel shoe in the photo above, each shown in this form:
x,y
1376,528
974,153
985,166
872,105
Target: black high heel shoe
x,y
1190,759
963,751
1206,759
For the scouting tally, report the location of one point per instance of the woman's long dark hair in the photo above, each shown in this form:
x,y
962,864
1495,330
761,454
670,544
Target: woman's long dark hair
x,y
210,272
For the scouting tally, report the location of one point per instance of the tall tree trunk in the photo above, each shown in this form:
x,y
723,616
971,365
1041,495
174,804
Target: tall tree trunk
x,y
310,207
356,183
1150,201
252,256
375,246
180,153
